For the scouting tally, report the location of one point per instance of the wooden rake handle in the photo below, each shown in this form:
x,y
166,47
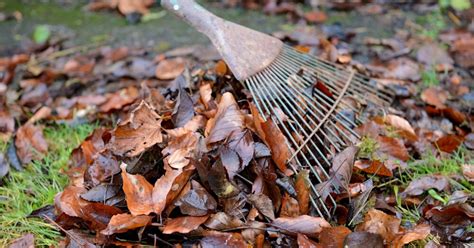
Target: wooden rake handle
x,y
195,15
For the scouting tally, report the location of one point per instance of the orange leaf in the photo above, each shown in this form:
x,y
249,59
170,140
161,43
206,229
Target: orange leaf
x,y
184,224
373,167
121,223
302,190
138,193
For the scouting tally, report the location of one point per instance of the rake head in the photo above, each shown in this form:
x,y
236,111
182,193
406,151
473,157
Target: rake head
x,y
316,104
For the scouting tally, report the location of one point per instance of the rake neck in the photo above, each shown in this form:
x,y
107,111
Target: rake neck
x,y
245,51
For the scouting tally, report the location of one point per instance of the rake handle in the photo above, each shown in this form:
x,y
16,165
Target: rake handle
x,y
194,14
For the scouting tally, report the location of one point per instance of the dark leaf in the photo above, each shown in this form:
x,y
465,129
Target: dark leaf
x,y
263,204
234,240
364,240
422,184
184,109
218,182
231,162
4,167
242,143
197,201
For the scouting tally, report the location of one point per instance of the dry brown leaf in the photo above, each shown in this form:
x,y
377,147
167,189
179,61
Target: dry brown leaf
x,y
221,68
138,193
435,96
25,241
131,6
197,201
419,232
221,221
121,223
315,16
184,224
264,205
363,240
70,202
277,143
221,239
170,68
289,206
376,221
305,242
163,187
139,132
302,190
205,92
30,143
400,123
304,224
449,143
119,99
227,120
333,237
373,167
468,172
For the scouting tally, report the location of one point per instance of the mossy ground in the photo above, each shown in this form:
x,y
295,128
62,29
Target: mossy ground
x,y
36,186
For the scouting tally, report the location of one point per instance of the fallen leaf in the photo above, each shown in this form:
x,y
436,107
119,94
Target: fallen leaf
x,y
422,184
7,125
234,240
468,172
218,182
132,6
449,143
197,201
98,215
227,120
419,232
333,237
121,223
139,132
164,186
242,143
221,221
221,68
305,242
30,143
275,139
264,205
70,202
373,167
363,240
302,190
341,169
304,224
435,96
315,16
469,141
25,241
231,162
183,224
119,99
170,68
289,206
459,214
138,193
400,123
433,55
376,221
184,109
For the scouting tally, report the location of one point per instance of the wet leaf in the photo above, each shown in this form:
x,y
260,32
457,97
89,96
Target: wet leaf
x,y
363,240
304,224
435,96
227,120
25,241
333,237
197,201
138,193
184,224
139,132
170,68
449,143
121,223
264,205
422,184
419,232
376,221
30,143
302,190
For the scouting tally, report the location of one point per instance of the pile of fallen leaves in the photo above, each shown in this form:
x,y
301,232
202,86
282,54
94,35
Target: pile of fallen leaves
x,y
183,158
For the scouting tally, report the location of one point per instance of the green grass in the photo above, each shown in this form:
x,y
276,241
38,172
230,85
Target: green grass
x,y
429,78
433,23
36,186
